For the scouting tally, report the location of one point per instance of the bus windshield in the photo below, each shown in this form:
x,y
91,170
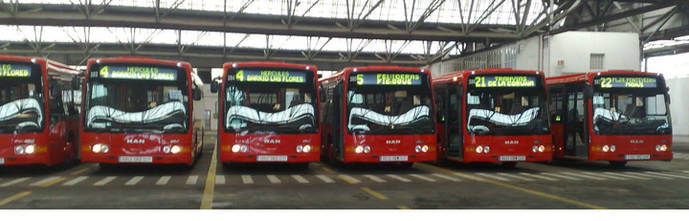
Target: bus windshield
x,y
270,101
513,105
389,103
632,112
21,99
137,98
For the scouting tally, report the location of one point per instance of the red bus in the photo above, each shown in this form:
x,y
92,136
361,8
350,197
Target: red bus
x,y
268,112
378,114
615,116
139,110
493,115
38,115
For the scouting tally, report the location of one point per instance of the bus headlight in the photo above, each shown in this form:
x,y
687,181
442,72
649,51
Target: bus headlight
x,y
18,150
663,147
175,149
612,148
299,148
606,148
166,149
236,148
98,148
367,149
417,148
534,148
359,149
306,148
29,149
485,149
479,149
424,148
244,148
541,148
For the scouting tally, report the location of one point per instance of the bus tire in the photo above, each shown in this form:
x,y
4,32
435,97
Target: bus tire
x,y
508,165
618,164
406,165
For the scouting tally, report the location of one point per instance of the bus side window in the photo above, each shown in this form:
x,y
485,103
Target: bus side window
x,y
57,108
556,104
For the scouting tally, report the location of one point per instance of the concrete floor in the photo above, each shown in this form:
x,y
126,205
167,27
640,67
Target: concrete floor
x,y
530,185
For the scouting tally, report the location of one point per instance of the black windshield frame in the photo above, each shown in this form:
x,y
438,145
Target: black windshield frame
x,y
538,91
423,90
308,87
183,82
38,79
660,90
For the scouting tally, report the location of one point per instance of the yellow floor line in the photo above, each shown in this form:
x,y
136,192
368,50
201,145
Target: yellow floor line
x,y
402,207
375,194
534,192
79,171
207,199
328,170
57,180
14,197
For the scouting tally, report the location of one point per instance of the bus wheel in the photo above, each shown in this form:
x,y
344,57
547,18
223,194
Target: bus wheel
x,y
301,166
618,164
106,166
508,165
406,165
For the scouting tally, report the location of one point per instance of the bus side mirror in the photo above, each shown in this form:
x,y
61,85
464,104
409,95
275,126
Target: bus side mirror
x,y
214,86
441,117
588,92
75,83
196,93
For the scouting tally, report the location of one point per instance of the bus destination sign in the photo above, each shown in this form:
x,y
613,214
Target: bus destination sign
x,y
504,81
388,79
138,73
627,82
271,76
15,70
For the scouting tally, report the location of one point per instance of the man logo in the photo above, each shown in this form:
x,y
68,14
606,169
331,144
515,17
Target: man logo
x,y
509,142
271,141
393,141
135,141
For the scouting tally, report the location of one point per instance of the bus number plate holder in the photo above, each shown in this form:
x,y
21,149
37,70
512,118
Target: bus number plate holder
x,y
637,156
135,159
393,158
271,158
512,158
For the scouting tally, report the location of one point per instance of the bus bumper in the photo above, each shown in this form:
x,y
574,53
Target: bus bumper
x,y
633,156
273,157
180,158
351,157
508,157
25,159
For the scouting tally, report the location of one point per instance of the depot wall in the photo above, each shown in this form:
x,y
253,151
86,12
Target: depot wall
x,y
205,110
565,53
679,106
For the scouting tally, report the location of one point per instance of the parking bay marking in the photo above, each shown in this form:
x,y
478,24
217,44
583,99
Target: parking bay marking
x,y
516,177
105,180
538,176
300,179
191,180
246,179
399,178
422,177
75,181
649,175
325,178
447,177
584,176
273,179
15,181
667,175
493,176
374,178
163,180
349,179
134,180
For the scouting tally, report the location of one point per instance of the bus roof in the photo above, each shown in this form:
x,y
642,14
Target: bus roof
x,y
582,77
459,75
148,60
346,71
269,64
53,67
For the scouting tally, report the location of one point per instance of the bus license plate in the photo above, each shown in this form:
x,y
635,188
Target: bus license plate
x,y
512,158
393,158
134,159
278,158
637,156
2,160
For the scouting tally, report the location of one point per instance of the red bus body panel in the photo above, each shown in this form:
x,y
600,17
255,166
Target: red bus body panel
x,y
378,143
153,144
265,144
499,145
52,145
624,143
